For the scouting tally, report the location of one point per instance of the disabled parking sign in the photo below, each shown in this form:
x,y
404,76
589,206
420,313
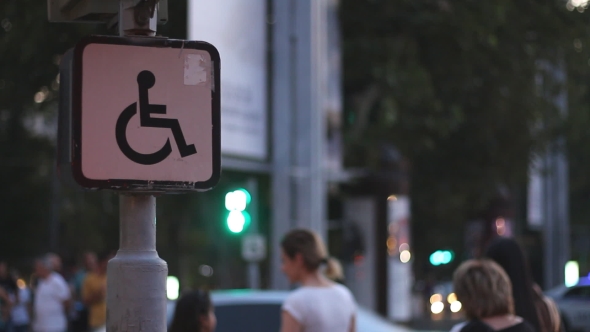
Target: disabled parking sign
x,y
145,114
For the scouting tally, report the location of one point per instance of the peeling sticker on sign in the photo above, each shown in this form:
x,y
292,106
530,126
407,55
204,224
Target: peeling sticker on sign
x,y
195,69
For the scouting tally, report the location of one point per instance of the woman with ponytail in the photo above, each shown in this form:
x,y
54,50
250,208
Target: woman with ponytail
x,y
319,304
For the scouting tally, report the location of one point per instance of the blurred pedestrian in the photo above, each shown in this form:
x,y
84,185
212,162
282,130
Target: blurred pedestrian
x,y
21,318
529,301
79,314
7,281
5,306
94,294
51,298
10,293
485,292
194,313
56,262
319,304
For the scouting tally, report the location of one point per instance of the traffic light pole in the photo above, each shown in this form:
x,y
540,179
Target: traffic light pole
x,y
136,277
253,267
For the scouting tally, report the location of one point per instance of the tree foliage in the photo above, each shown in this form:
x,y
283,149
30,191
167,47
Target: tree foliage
x,y
450,83
30,53
30,50
452,86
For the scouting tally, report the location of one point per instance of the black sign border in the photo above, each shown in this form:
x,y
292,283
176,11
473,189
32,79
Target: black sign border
x,y
139,186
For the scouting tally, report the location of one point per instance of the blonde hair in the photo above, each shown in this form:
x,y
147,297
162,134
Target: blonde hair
x,y
313,251
483,288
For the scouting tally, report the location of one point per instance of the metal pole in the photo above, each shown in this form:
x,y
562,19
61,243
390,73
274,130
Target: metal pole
x,y
282,110
54,217
556,230
562,225
253,267
136,277
309,181
299,184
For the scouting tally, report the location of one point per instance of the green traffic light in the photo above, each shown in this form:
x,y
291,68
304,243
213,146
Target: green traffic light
x,y
237,200
238,221
236,203
441,257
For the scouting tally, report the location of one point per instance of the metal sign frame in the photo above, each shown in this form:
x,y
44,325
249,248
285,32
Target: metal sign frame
x,y
144,186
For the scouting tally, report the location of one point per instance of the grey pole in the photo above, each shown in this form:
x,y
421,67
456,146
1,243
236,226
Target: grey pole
x,y
556,226
253,267
54,216
309,115
299,182
136,277
283,44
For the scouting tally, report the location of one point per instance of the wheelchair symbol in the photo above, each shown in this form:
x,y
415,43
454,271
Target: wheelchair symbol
x,y
145,81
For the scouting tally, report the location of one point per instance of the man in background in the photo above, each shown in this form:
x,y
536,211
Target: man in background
x,y
20,311
52,297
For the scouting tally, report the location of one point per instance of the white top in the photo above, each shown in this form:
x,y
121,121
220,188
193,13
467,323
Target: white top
x,y
20,315
49,309
322,309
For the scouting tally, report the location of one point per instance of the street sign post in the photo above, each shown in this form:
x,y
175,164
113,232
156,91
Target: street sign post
x,y
138,115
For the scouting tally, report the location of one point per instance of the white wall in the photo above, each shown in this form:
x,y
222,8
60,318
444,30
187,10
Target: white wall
x,y
237,28
360,277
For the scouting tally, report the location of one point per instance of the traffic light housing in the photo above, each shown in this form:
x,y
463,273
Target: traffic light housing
x,y
236,203
93,11
441,257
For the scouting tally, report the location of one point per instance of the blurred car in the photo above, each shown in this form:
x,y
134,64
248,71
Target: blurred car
x,y
260,311
574,304
443,300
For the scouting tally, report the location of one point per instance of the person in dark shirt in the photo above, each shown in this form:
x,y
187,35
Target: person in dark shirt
x,y
8,287
6,281
529,301
485,292
5,306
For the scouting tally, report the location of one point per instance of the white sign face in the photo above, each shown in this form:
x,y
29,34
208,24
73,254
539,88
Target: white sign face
x,y
238,29
253,248
146,114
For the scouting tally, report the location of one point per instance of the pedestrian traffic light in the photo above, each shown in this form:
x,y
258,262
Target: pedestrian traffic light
x,y
441,257
236,203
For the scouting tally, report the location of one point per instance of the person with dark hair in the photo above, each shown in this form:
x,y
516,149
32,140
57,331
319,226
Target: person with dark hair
x,y
80,312
484,290
94,293
320,304
529,301
6,280
194,313
21,318
8,291
5,306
